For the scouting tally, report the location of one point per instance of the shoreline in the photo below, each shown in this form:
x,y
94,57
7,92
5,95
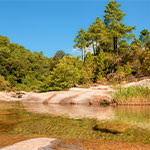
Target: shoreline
x,y
96,95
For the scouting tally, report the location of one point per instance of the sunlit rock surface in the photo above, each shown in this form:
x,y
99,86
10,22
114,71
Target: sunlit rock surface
x,y
32,144
89,96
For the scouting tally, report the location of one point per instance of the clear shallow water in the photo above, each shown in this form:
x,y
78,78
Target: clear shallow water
x,y
138,115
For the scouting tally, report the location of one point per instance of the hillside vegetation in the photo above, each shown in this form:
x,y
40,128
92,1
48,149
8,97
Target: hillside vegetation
x,y
111,58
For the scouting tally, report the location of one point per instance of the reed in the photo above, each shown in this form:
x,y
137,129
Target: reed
x,y
132,95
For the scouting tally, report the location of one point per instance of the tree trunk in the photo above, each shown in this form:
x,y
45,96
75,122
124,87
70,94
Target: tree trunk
x,y
115,43
82,53
93,49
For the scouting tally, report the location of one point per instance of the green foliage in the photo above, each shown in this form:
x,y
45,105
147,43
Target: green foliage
x,y
102,66
97,33
113,20
3,83
144,36
25,70
20,67
68,72
123,48
56,59
146,61
90,65
80,41
128,69
135,94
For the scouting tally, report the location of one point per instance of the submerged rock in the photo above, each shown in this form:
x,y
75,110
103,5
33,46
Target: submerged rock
x,y
112,127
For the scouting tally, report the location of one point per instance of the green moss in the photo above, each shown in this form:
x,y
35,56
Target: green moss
x,y
112,127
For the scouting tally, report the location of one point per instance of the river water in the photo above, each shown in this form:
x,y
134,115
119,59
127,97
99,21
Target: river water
x,y
138,115
14,114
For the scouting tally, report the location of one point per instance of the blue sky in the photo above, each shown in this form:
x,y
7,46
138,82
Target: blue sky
x,y
50,25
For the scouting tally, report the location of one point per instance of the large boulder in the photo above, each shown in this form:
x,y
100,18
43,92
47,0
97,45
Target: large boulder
x,y
87,96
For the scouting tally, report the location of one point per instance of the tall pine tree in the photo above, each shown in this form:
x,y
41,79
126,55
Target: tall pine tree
x,y
80,41
97,34
113,20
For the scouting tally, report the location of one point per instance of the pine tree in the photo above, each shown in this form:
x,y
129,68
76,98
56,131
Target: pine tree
x,y
101,66
145,37
146,61
113,20
90,65
97,33
80,41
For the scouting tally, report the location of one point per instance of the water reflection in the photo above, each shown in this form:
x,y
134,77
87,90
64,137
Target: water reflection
x,y
139,115
73,111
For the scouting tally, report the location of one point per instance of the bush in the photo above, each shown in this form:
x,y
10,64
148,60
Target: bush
x,y
3,83
146,62
90,65
102,66
68,72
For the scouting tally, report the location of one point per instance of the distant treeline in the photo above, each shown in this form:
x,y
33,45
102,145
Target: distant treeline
x,y
112,58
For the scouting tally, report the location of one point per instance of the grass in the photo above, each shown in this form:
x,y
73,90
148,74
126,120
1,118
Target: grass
x,y
134,95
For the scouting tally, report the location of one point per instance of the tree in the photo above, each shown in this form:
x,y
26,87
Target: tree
x,y
101,66
113,20
68,72
80,41
146,61
59,54
57,57
90,65
128,69
145,37
136,44
97,34
4,41
3,83
123,47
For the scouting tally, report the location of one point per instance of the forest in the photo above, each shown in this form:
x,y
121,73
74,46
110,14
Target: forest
x,y
110,52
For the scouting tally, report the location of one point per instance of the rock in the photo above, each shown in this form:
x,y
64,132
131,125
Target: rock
x,y
105,102
19,96
32,144
112,127
145,83
85,96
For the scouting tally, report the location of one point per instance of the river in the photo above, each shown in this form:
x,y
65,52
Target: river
x,y
138,115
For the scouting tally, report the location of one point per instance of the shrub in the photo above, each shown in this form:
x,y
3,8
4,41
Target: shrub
x,y
3,83
68,72
146,61
90,65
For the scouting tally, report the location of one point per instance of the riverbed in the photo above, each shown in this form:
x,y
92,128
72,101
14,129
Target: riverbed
x,y
22,121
